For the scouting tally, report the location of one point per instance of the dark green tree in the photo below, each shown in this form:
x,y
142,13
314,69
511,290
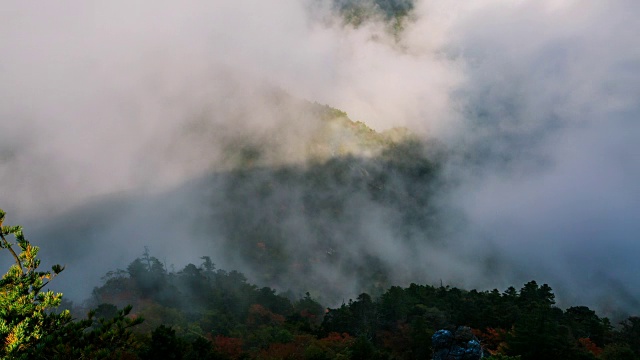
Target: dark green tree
x,y
584,323
91,338
618,351
538,333
630,333
165,345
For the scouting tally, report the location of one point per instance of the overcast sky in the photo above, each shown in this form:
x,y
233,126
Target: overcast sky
x,y
546,93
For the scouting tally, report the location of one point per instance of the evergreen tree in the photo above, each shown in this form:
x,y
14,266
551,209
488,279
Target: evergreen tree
x,y
24,315
29,329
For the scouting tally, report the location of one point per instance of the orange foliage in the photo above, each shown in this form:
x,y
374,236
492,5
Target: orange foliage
x,y
281,351
231,347
399,340
337,341
259,315
590,346
308,315
492,339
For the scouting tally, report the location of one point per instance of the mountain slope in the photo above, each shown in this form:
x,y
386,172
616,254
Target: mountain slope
x,y
316,201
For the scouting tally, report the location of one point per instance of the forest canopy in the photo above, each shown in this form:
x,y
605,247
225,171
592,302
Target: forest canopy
x,y
200,312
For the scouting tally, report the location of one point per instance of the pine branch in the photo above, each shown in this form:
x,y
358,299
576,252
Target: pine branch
x,y
8,246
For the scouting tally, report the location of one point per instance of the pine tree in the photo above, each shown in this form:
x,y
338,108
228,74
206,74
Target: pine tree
x,y
24,319
29,329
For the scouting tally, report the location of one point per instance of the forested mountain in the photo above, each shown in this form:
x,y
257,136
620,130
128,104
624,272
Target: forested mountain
x,y
287,223
338,210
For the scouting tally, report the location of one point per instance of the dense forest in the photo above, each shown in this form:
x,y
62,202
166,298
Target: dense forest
x,y
200,312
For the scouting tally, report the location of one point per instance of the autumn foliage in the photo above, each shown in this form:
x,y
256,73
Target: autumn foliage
x,y
228,346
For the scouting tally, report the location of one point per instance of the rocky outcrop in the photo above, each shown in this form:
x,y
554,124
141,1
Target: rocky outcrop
x,y
458,345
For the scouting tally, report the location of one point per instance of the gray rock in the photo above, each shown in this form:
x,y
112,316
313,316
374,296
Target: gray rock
x,y
460,345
